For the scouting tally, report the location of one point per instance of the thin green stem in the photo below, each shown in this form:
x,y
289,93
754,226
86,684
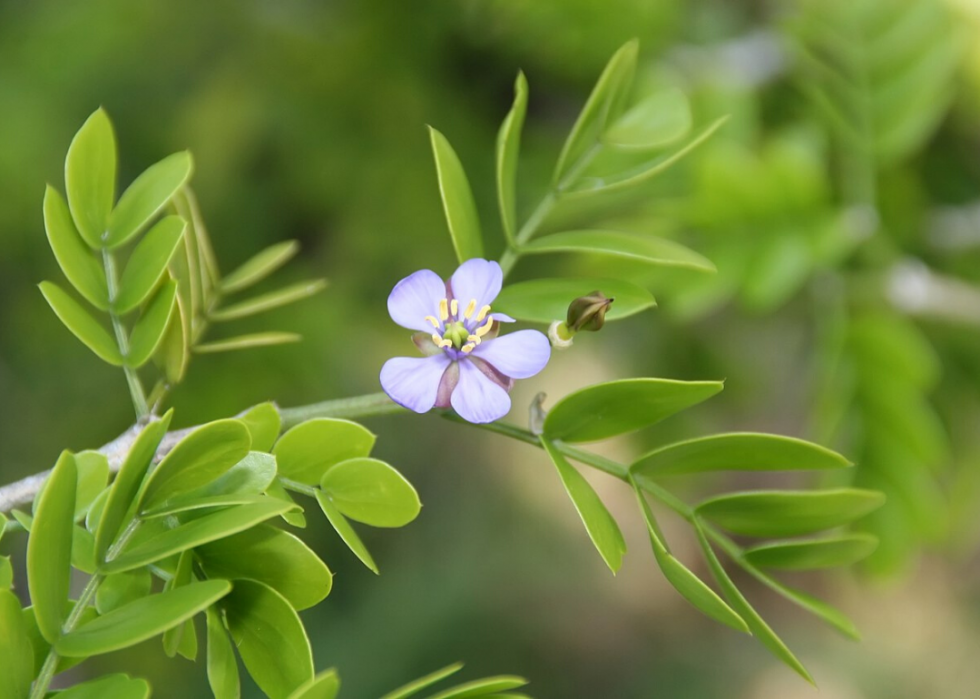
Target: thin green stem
x,y
297,487
136,391
350,408
512,254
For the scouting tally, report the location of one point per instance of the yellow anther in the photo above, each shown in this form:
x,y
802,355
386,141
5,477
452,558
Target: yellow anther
x,y
482,314
474,339
485,328
432,319
470,309
436,339
468,347
454,305
444,309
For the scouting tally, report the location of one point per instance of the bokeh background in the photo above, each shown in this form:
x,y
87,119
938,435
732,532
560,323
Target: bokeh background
x,y
846,307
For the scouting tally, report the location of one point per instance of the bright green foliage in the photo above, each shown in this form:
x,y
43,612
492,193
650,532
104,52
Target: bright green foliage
x,y
151,326
16,652
249,477
182,636
372,492
457,200
306,452
345,531
109,687
263,423
614,408
76,260
326,685
90,177
295,517
825,552
222,667
93,474
259,267
545,300
122,588
508,147
486,687
81,323
269,637
148,263
269,301
147,196
647,249
413,688
658,120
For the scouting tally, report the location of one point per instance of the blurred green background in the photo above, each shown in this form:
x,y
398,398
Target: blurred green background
x,y
846,307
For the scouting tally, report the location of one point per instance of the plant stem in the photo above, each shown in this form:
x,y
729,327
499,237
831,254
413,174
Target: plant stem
x,y
350,408
512,254
136,391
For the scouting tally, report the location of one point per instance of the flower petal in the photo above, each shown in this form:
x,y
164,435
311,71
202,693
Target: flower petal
x,y
477,398
413,382
415,297
520,354
477,279
502,317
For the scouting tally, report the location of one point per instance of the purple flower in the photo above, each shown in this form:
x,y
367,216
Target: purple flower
x,y
467,366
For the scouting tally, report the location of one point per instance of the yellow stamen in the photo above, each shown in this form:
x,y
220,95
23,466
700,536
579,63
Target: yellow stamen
x,y
485,328
432,319
444,309
454,305
440,342
470,309
482,314
468,347
474,339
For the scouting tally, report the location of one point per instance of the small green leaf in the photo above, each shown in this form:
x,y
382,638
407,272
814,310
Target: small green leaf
x,y
609,409
642,248
346,531
148,263
95,510
49,548
16,651
273,557
6,573
145,618
127,483
249,477
174,353
122,588
306,452
826,552
174,636
90,176
413,688
270,638
108,687
192,502
294,518
600,525
267,339
656,121
93,475
147,196
457,199
545,300
326,685
738,451
81,323
199,458
789,512
259,267
269,301
196,532
508,149
78,263
263,423
372,492
482,688
83,550
222,666
150,328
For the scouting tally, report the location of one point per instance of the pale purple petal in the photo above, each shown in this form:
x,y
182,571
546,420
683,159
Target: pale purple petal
x,y
413,382
520,354
502,317
477,398
477,279
415,297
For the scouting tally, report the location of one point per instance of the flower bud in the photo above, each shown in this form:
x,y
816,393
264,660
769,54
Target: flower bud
x,y
588,312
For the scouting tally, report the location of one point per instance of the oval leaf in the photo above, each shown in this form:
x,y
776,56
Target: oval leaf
x,y
174,352
306,452
78,263
656,121
260,266
16,651
110,687
508,148
346,531
545,300
816,553
90,177
81,323
457,199
789,512
617,407
148,263
152,325
372,492
222,666
249,477
263,423
147,196
326,685
643,248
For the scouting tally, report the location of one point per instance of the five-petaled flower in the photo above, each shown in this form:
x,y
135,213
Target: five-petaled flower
x,y
468,367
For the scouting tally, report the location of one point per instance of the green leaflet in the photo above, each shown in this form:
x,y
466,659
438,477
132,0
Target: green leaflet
x,y
49,548
266,339
326,685
269,301
413,688
145,618
656,121
617,407
642,248
263,423
76,260
248,478
90,177
173,354
81,323
147,196
122,588
545,300
150,328
182,637
222,667
270,638
16,651
259,267
508,148
306,452
346,531
93,475
457,199
600,525
372,492
148,263
485,687
108,687
826,552
294,517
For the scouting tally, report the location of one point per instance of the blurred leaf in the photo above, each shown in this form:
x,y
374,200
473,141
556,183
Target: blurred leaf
x,y
81,324
413,688
142,619
42,648
789,512
173,354
122,588
127,483
600,525
95,510
148,263
825,612
222,666
83,550
508,150
545,300
49,548
346,531
6,573
199,458
645,248
259,267
265,339
93,475
816,553
273,557
738,451
16,652
656,121
326,685
147,196
372,492
196,532
150,328
604,106
457,199
295,517
306,452
192,502
174,637
90,176
267,302
485,687
617,407
263,423
108,687
250,476
270,638
80,266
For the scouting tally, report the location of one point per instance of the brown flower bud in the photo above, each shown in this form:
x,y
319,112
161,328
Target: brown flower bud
x,y
588,312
